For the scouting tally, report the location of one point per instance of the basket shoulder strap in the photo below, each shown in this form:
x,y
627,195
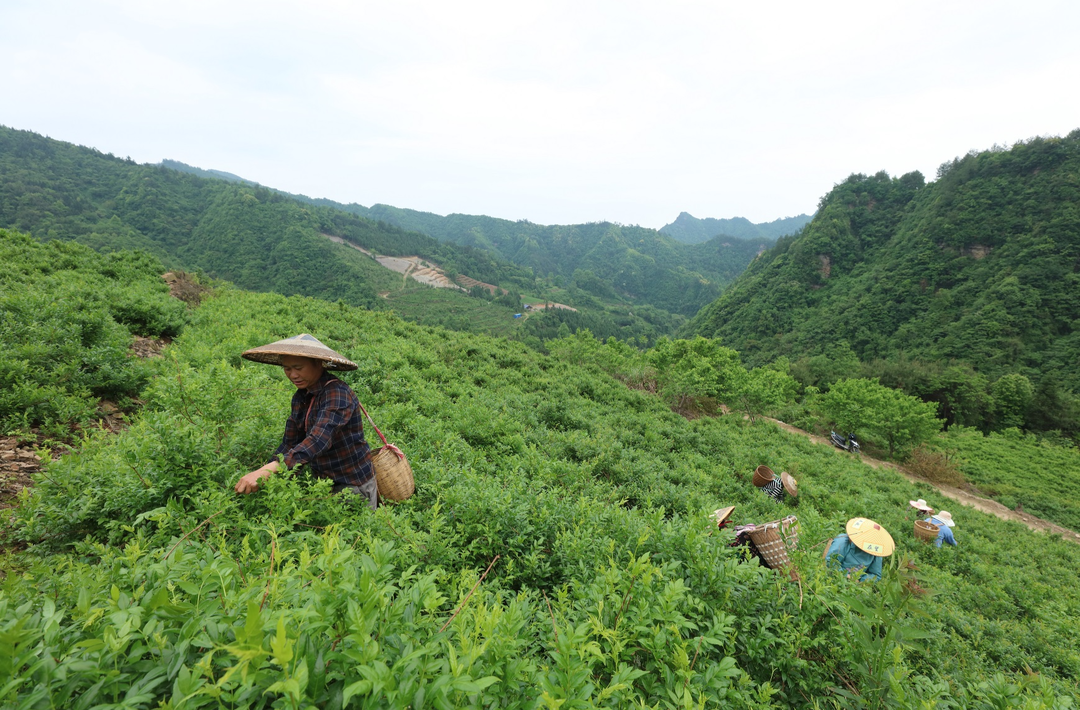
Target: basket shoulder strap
x,y
386,444
373,425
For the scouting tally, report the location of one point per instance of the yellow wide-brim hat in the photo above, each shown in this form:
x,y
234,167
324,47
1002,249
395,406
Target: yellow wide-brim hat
x,y
302,345
870,537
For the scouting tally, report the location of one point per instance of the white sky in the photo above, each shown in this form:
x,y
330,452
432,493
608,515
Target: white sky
x,y
556,112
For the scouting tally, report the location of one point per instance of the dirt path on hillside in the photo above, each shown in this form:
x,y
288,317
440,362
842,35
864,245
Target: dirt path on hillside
x,y
971,500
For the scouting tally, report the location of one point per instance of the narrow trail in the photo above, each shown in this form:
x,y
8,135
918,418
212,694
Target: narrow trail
x,y
959,495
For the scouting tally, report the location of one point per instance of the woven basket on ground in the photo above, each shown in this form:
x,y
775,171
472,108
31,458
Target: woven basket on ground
x,y
773,540
762,475
927,532
393,474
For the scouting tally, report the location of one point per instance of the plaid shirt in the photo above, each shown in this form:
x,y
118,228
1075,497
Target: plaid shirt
x,y
325,430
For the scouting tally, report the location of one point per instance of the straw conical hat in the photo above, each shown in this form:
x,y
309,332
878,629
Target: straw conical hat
x,y
302,345
870,537
790,484
721,515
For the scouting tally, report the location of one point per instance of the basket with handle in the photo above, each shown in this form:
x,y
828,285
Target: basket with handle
x,y
762,476
927,532
773,540
393,474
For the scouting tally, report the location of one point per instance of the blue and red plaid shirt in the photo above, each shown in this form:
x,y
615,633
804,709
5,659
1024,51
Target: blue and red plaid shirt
x,y
325,430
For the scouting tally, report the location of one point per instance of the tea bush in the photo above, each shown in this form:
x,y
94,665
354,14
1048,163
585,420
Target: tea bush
x,y
67,315
574,506
1042,477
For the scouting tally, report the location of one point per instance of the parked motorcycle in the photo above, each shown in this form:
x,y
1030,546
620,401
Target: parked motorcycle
x,y
848,443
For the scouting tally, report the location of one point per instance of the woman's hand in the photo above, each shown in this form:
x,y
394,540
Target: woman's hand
x,y
249,483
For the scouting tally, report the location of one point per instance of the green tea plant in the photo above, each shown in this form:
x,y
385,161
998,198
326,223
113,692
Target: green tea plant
x,y
1021,472
557,551
67,315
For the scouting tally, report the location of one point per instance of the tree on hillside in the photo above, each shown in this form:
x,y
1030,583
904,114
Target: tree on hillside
x,y
880,413
762,388
1012,397
690,369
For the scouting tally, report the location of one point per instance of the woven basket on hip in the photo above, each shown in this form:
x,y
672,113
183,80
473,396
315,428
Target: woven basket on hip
x,y
762,476
926,531
393,474
773,540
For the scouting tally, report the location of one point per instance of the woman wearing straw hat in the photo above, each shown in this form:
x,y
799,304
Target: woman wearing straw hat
x,y
921,506
324,429
862,546
945,525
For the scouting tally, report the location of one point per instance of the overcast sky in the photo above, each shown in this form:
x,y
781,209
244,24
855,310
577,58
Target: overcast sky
x,y
555,112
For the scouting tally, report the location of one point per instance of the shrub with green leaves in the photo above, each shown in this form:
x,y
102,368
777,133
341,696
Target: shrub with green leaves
x,y
558,550
67,315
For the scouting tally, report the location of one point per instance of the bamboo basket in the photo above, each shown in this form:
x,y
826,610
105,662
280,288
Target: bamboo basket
x,y
773,540
762,476
393,474
927,532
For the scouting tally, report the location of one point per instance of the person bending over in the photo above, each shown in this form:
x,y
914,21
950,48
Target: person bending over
x,y
324,429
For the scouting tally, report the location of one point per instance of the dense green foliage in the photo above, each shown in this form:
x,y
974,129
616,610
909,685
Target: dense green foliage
x,y
148,580
977,271
897,420
266,240
67,316
612,261
688,229
452,309
255,237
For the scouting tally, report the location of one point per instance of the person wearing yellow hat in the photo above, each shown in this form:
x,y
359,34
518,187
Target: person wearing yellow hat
x,y
862,546
324,429
944,521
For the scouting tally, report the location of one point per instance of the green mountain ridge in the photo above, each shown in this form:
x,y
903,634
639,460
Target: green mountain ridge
x,y
640,264
981,266
605,259
688,229
201,172
258,238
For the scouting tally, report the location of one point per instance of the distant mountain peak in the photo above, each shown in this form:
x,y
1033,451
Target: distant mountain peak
x,y
689,229
201,172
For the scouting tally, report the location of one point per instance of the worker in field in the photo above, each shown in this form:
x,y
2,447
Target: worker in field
x,y
945,525
324,429
862,546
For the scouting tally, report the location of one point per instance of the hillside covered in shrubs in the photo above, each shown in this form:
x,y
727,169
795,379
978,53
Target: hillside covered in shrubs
x,y
558,551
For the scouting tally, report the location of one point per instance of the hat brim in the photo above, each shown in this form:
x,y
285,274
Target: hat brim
x,y
870,537
299,346
943,521
790,484
722,514
919,506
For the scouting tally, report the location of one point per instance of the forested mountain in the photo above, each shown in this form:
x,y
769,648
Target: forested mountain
x,y
632,262
980,268
688,229
633,266
258,238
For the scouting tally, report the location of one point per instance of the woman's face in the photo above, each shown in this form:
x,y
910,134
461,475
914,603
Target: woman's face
x,y
301,371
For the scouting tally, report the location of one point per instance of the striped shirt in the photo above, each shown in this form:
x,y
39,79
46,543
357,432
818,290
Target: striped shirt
x,y
774,489
325,430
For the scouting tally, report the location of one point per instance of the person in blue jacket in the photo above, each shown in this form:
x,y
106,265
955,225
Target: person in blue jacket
x,y
862,546
945,525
